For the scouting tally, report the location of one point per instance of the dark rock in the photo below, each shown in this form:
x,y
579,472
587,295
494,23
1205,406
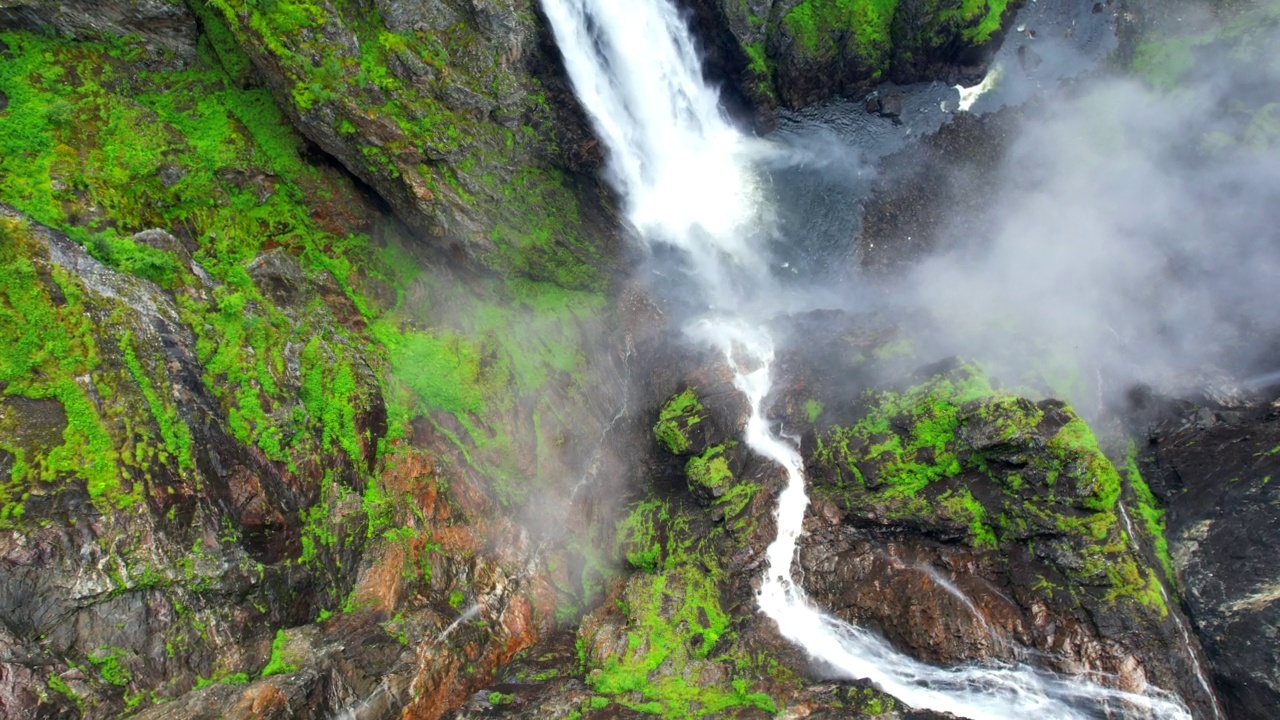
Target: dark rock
x,y
1221,482
279,277
770,60
891,105
161,240
934,192
171,174
1029,59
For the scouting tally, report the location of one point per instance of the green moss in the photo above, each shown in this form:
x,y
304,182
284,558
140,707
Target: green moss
x,y
676,618
812,410
477,163
60,686
963,505
677,416
910,454
1151,515
1096,478
110,665
907,462
126,149
816,25
981,18
641,532
50,346
174,433
710,470
276,664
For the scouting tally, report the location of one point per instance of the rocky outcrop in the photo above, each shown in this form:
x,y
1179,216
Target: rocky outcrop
x,y
799,52
1216,471
964,523
440,108
137,525
267,459
1003,539
444,599
164,25
961,523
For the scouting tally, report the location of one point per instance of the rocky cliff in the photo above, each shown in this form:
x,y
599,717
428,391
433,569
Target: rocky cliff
x,y
323,394
241,402
799,52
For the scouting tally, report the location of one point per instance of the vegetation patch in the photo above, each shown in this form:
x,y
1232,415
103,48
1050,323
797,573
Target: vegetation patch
x,y
676,622
677,417
955,452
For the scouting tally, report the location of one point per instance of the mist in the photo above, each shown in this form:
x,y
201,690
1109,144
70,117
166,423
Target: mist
x,y
1133,237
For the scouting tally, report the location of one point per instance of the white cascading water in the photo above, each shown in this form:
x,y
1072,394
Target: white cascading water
x,y
685,175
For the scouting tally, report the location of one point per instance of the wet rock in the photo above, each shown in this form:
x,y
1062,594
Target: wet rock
x,y
1029,59
171,174
279,277
891,105
1219,482
943,519
933,192
778,52
163,26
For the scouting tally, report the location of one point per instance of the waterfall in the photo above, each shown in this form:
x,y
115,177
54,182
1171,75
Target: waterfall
x,y
685,176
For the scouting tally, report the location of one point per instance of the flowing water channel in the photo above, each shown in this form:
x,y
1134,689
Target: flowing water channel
x,y
696,191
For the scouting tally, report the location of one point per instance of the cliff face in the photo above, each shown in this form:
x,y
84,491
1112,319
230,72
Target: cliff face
x,y
439,107
800,52
277,441
247,419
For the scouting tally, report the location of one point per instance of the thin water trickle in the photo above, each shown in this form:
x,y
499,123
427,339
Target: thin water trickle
x,y
469,614
686,178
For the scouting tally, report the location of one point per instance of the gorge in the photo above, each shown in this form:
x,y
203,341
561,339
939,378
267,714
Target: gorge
x,y
584,359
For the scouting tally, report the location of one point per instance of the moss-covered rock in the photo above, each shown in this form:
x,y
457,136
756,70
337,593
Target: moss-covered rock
x,y
678,420
802,51
987,522
994,469
437,109
193,419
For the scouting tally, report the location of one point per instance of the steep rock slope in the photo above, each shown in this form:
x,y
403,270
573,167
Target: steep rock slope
x,y
799,52
439,107
247,421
